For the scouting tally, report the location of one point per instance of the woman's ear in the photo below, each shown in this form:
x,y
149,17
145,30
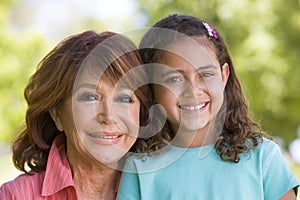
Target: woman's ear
x,y
225,73
56,118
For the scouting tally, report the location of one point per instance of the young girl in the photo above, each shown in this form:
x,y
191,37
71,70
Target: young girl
x,y
212,149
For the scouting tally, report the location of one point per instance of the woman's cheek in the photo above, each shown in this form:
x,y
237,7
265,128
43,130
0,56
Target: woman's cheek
x,y
134,119
127,117
84,114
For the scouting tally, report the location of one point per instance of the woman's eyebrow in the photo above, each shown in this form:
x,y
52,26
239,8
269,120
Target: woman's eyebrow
x,y
86,85
123,88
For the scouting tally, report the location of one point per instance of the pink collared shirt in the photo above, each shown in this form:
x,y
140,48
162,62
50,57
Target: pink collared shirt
x,y
55,183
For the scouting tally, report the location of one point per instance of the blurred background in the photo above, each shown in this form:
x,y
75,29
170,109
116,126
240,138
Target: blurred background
x,y
263,38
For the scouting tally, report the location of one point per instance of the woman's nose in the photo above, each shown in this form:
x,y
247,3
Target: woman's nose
x,y
105,112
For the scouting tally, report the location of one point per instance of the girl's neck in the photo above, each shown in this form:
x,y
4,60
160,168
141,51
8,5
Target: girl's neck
x,y
191,139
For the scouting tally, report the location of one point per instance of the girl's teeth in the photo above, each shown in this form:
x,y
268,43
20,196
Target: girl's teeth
x,y
105,136
192,108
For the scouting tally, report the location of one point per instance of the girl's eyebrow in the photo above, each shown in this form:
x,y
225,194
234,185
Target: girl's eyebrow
x,y
210,66
174,71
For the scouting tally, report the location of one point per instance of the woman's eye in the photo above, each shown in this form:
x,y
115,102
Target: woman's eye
x,y
124,99
88,97
175,79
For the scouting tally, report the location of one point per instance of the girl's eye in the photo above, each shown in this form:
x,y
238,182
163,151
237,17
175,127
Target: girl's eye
x,y
88,96
206,74
124,99
175,79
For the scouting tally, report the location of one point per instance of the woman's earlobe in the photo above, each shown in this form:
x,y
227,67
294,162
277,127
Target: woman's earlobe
x,y
56,118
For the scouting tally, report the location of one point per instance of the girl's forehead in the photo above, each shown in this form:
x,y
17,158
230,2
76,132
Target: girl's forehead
x,y
196,40
189,52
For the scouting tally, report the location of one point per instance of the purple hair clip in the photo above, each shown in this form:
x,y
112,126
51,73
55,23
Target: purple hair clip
x,y
210,29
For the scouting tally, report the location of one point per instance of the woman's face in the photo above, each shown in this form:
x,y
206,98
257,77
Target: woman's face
x,y
99,119
190,86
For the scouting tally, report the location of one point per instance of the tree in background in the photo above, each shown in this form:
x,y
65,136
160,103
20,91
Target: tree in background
x,y
264,40
19,54
21,49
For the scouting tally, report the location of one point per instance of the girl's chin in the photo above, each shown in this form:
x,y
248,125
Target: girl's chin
x,y
193,126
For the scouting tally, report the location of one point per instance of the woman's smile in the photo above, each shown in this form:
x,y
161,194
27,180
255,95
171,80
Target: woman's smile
x,y
106,137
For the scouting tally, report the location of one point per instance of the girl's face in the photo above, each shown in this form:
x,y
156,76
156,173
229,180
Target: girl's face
x,y
190,86
99,119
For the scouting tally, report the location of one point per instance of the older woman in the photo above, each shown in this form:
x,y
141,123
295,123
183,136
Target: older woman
x,y
83,116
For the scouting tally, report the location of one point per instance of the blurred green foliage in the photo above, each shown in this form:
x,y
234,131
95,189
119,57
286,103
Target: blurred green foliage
x,y
264,41
263,38
21,49
18,57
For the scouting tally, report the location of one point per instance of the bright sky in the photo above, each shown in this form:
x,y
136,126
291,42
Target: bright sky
x,y
50,18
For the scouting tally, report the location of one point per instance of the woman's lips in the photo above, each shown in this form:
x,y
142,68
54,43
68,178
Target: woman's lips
x,y
106,137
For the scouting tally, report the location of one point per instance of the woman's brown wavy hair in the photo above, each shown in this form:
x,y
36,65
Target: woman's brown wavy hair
x,y
239,133
53,82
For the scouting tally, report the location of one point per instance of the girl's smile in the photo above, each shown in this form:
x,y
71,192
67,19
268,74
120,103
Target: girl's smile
x,y
190,88
190,108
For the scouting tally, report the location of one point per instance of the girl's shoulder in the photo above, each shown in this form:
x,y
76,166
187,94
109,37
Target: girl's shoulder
x,y
266,150
267,145
166,156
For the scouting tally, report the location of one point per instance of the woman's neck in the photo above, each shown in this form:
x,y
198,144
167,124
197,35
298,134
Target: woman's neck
x,y
95,184
92,179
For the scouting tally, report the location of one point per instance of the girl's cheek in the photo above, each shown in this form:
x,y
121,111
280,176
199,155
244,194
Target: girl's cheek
x,y
174,91
215,86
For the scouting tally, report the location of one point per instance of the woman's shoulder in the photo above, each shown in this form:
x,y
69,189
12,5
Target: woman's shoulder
x,y
23,183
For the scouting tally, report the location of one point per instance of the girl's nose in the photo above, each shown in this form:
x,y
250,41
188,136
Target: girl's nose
x,y
194,87
105,112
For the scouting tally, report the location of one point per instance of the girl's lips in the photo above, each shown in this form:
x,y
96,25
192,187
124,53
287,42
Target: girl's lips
x,y
196,107
105,136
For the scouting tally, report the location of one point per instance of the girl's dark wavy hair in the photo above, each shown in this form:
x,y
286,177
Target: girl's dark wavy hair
x,y
54,80
239,133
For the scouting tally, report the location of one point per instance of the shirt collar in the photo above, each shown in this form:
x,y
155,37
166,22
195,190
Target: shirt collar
x,y
58,173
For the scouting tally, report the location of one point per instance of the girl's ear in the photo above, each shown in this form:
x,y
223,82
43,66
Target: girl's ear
x,y
56,118
225,73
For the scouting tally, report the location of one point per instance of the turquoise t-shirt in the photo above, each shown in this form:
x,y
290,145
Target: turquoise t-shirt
x,y
199,173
